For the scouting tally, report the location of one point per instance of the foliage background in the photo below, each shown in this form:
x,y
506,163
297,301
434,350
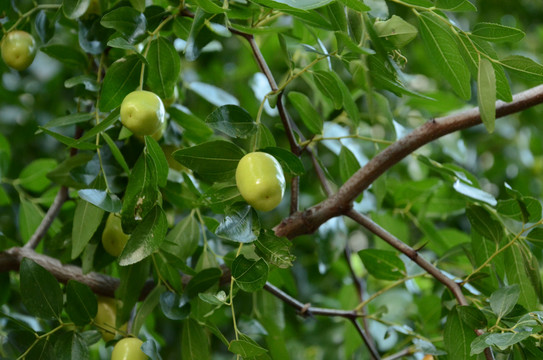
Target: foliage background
x,y
415,200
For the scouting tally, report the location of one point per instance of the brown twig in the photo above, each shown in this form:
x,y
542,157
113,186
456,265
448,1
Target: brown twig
x,y
48,219
400,354
308,221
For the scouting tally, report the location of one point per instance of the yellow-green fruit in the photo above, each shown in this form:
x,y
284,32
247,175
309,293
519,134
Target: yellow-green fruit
x,y
113,237
18,49
128,349
260,180
157,135
106,317
142,112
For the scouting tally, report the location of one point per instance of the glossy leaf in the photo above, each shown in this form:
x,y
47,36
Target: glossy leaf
x,y
81,304
242,225
289,162
213,160
202,281
309,116
328,86
147,307
43,297
33,176
159,159
274,250
483,222
515,270
458,337
87,218
441,46
30,217
472,317
74,9
245,348
146,237
486,94
71,345
133,278
121,79
348,164
249,275
164,67
182,240
126,20
233,121
194,341
68,55
174,307
383,264
102,199
68,120
503,300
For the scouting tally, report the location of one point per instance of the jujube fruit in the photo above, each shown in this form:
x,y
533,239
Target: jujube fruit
x,y
260,180
106,317
113,237
18,49
142,112
128,349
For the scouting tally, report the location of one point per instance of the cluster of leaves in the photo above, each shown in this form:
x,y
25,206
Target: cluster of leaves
x,y
344,67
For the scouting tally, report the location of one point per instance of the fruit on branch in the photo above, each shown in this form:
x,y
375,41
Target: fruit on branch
x,y
113,237
128,349
18,49
428,357
142,112
260,180
106,317
157,135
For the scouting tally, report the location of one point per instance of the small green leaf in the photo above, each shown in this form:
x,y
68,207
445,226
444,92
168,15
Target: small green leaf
x,y
515,270
43,296
241,225
102,199
246,349
68,55
161,163
233,121
356,5
486,94
5,155
523,67
164,67
203,281
484,223
289,162
146,238
273,249
455,5
383,264
457,337
182,240
441,46
30,217
249,275
396,30
328,86
536,237
81,304
71,345
194,341
69,120
348,164
147,307
116,152
213,160
74,9
122,78
175,307
195,129
310,117
472,317
133,278
33,176
497,33
87,218
128,21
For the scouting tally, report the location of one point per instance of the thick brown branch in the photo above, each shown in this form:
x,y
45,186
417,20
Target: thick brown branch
x,y
308,221
48,219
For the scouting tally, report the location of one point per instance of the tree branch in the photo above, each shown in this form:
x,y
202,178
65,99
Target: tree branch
x,y
308,221
367,340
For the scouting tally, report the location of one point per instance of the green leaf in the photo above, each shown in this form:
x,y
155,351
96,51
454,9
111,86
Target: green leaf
x,y
133,278
503,300
484,223
455,5
497,33
68,55
328,86
30,217
457,337
122,78
102,199
304,4
70,142
233,121
515,270
203,281
71,345
536,237
523,67
87,81
195,129
42,294
212,160
5,155
241,225
194,341
74,9
273,249
507,339
69,120
161,163
348,164
147,307
486,94
103,125
199,35
128,21
182,240
81,304
472,317
396,30
116,153
87,218
146,238
213,94
138,5
175,307
383,264
310,117
141,193
164,67
249,275
356,5
441,46
245,348
33,176
289,162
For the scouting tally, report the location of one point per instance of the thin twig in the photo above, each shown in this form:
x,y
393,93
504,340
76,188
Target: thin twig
x,y
400,354
48,219
367,340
